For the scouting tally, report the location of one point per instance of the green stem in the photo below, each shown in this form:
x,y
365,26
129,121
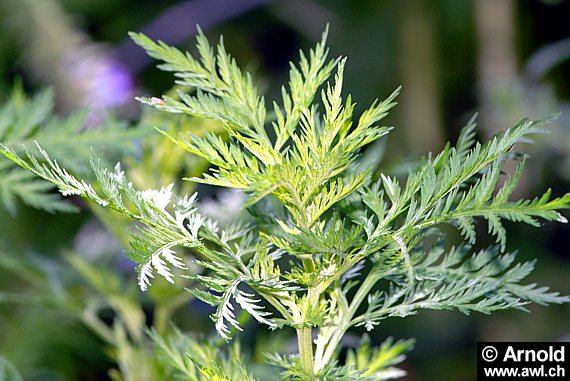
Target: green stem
x,y
305,341
91,320
309,265
279,302
305,332
371,279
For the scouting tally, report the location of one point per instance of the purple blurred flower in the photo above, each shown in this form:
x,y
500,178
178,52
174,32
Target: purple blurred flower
x,y
101,81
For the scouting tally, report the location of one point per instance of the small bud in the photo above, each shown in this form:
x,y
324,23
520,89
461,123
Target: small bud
x,y
156,101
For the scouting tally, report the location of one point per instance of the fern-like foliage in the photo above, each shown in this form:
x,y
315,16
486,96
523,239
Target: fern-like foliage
x,y
24,120
325,239
305,174
363,363
195,360
378,363
162,229
15,183
483,282
167,225
455,187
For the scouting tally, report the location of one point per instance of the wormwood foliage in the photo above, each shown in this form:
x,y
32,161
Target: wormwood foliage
x,y
24,120
328,247
196,361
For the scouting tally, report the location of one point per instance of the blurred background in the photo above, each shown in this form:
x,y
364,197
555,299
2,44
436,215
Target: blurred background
x,y
503,59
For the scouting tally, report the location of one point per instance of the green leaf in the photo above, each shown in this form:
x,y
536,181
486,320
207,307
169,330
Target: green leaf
x,y
24,120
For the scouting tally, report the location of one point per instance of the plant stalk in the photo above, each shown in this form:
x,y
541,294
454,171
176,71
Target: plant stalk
x,y
305,332
305,341
359,297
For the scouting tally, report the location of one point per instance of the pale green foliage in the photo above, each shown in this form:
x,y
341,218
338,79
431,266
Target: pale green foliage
x,y
196,360
74,289
93,291
378,363
363,363
161,231
25,120
454,279
455,187
315,208
304,175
